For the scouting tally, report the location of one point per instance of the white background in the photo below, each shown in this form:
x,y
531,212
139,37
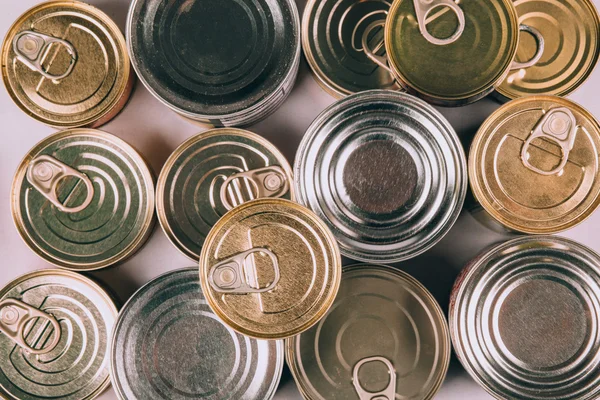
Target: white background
x,y
156,131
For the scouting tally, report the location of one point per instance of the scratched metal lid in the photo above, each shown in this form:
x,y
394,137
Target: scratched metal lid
x,y
385,171
533,165
83,199
211,173
54,328
270,268
524,320
333,35
384,338
168,344
65,64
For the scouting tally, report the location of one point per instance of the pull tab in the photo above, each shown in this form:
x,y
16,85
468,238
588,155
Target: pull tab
x,y
45,172
14,317
31,47
539,39
389,393
268,182
559,126
425,7
371,52
238,275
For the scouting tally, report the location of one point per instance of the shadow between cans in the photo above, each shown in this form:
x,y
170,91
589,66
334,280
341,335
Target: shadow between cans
x,y
116,10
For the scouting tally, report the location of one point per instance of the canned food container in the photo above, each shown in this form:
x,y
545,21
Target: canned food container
x,y
167,344
83,199
211,173
334,34
533,165
385,337
221,63
65,64
524,319
270,269
385,171
54,344
569,31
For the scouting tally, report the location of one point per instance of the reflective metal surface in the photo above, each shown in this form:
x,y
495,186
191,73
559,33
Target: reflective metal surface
x,y
385,338
168,344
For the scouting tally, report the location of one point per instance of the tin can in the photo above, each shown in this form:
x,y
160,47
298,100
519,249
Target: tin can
x,y
167,344
65,63
524,319
334,33
570,34
385,337
221,63
533,165
211,173
83,199
385,171
54,344
270,269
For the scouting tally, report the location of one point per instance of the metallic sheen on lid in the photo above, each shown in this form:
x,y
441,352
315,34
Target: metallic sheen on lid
x,y
65,64
524,320
83,199
533,165
385,171
385,334
73,360
167,344
270,268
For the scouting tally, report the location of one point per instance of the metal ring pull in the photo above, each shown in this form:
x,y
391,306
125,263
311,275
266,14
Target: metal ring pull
x,y
237,274
371,53
539,39
268,182
14,317
45,172
559,126
31,48
425,7
389,393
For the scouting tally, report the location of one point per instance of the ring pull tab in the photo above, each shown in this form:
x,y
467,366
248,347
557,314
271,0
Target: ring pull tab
x,y
371,51
237,274
31,47
14,318
559,126
539,39
45,173
268,182
425,7
389,393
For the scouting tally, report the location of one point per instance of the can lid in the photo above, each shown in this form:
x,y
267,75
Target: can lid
x,y
211,173
570,30
524,319
83,199
384,216
270,268
533,164
65,64
54,328
385,335
200,358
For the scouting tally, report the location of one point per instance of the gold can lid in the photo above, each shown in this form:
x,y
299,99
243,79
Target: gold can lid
x,y
65,64
533,164
270,268
570,31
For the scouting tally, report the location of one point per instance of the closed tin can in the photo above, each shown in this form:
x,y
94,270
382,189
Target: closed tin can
x,y
211,173
83,199
533,165
65,64
270,269
167,344
385,337
221,63
524,319
385,171
54,344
